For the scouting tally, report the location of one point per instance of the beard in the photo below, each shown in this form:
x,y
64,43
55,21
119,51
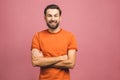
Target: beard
x,y
55,26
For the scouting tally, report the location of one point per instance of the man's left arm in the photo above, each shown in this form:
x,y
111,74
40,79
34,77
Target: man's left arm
x,y
69,63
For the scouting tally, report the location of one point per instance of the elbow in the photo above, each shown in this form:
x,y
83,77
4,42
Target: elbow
x,y
37,64
71,66
34,63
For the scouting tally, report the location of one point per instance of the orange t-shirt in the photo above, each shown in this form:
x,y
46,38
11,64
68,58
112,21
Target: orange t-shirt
x,y
53,45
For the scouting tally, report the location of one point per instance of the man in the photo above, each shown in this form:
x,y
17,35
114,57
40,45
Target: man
x,y
53,49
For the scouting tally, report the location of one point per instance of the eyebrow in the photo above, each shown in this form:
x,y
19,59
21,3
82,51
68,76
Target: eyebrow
x,y
54,14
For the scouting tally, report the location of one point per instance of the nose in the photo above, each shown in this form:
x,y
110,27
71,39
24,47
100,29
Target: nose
x,y
53,18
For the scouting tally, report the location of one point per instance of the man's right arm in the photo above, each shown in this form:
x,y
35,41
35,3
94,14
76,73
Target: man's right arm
x,y
39,60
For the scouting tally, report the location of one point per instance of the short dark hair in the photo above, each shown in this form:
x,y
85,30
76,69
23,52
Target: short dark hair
x,y
52,6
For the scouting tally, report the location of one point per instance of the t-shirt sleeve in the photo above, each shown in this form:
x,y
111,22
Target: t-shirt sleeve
x,y
35,42
72,43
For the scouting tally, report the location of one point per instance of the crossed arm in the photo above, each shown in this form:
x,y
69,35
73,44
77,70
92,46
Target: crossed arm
x,y
65,61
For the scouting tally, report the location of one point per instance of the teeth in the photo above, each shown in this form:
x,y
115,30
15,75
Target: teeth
x,y
53,22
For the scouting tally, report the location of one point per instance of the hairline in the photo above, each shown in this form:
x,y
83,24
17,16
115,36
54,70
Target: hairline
x,y
52,6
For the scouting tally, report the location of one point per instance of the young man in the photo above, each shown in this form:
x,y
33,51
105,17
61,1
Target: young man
x,y
54,49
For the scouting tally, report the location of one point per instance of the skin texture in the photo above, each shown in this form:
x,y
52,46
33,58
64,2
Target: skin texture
x,y
52,19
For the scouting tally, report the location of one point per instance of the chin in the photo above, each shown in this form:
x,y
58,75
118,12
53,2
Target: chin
x,y
53,27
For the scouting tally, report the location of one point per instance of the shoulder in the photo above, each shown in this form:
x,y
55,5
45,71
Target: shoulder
x,y
39,33
42,32
68,33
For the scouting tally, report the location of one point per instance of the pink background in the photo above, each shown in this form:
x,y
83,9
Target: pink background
x,y
95,23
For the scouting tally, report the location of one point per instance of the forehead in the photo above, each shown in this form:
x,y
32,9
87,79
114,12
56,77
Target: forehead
x,y
52,11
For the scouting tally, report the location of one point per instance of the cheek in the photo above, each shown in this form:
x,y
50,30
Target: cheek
x,y
47,19
58,20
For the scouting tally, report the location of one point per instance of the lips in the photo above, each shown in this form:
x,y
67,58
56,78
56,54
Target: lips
x,y
52,21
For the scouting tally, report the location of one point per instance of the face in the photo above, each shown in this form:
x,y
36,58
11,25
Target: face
x,y
52,18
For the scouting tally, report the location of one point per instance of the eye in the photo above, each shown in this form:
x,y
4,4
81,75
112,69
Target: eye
x,y
48,15
56,15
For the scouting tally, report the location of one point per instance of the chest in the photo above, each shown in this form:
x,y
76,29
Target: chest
x,y
54,45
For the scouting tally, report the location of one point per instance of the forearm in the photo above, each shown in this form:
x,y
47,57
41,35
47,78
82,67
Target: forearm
x,y
64,64
47,61
69,63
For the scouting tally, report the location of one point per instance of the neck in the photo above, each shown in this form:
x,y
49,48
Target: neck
x,y
54,30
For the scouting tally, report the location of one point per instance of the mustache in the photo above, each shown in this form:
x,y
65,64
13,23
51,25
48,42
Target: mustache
x,y
52,21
